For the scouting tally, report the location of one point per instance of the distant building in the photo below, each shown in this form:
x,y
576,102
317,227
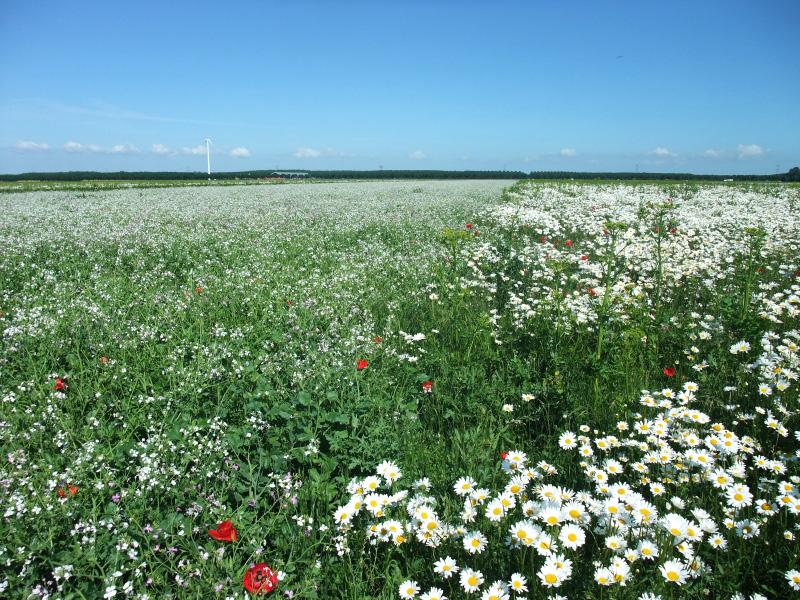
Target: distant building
x,y
289,174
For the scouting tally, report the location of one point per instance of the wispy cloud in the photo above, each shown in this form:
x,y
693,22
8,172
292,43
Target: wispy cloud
x,y
124,149
199,149
417,155
240,152
662,152
749,150
568,152
78,147
31,146
307,153
160,149
712,153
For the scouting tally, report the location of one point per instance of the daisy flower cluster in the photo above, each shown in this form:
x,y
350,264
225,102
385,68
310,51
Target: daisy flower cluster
x,y
663,498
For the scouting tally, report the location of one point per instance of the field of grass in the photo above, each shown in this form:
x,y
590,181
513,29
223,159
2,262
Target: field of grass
x,y
460,389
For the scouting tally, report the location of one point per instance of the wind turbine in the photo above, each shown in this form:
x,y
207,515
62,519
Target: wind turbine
x,y
208,156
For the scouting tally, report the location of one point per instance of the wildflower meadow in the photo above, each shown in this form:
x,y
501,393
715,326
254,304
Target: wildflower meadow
x,y
442,389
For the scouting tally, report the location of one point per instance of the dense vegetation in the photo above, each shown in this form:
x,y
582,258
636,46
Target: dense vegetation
x,y
575,389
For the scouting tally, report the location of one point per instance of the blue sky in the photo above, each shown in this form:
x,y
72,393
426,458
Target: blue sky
x,y
669,86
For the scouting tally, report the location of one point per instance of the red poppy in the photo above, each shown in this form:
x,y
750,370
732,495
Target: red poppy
x,y
427,386
584,257
470,225
377,339
198,290
591,292
59,385
669,372
543,239
289,302
260,579
361,364
225,532
568,243
62,492
503,455
673,230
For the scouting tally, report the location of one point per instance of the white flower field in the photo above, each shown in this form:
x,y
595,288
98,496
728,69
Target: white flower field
x,y
460,389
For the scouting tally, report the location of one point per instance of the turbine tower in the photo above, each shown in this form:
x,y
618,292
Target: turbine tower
x,y
208,156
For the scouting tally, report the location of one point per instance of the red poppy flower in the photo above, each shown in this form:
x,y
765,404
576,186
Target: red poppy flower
x,y
543,239
59,385
225,532
470,225
198,290
289,302
503,455
260,579
61,493
669,372
377,339
568,243
361,364
673,230
584,257
73,489
427,386
591,292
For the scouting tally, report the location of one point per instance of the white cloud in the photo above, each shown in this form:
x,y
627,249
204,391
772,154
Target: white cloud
x,y
160,149
417,155
568,152
77,147
240,152
712,153
199,149
124,149
662,152
33,146
750,150
307,153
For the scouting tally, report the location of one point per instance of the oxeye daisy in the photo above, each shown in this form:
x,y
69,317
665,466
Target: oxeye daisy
x,y
571,536
433,594
793,578
674,571
567,440
518,583
471,580
409,589
475,542
464,486
446,567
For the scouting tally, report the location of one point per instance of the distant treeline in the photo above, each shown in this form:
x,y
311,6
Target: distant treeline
x,y
792,175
